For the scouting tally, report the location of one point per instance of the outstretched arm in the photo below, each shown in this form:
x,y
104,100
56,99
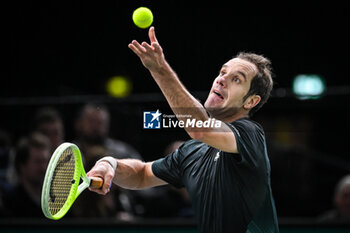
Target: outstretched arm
x,y
179,99
129,174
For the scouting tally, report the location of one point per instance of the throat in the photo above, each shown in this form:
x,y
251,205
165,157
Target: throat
x,y
226,114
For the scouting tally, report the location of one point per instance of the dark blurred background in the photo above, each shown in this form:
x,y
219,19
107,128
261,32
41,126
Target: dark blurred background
x,y
61,54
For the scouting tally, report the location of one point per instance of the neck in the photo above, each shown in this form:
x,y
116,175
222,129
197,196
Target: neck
x,y
228,115
234,118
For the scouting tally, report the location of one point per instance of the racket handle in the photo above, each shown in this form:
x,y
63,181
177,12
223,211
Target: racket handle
x,y
96,182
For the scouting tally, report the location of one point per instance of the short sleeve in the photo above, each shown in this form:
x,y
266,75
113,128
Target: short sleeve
x,y
168,169
249,138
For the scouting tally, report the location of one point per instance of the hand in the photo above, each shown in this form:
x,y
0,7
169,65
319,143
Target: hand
x,y
104,170
151,55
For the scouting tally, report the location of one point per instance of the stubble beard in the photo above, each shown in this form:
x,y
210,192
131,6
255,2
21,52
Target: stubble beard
x,y
221,113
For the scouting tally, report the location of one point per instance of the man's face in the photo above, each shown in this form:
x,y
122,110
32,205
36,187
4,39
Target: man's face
x,y
94,125
229,88
34,170
54,131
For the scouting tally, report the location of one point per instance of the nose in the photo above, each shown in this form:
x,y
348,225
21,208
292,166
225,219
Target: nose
x,y
221,81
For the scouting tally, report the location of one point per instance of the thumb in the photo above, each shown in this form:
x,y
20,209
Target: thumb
x,y
152,35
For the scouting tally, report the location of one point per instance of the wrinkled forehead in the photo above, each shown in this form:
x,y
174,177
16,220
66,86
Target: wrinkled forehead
x,y
238,64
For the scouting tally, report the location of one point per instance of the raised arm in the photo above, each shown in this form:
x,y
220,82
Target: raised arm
x,y
179,99
129,174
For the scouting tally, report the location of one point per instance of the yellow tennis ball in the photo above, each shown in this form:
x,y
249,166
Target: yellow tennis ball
x,y
142,17
119,86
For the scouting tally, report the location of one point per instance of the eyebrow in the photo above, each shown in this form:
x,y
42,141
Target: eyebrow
x,y
237,72
242,74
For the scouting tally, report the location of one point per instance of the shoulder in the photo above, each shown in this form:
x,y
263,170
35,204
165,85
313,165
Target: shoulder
x,y
191,145
250,139
184,152
246,124
245,127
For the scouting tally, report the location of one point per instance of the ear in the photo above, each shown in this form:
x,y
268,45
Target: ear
x,y
251,101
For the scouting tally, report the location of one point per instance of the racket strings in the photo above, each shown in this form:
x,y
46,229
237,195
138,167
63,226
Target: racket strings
x,y
62,181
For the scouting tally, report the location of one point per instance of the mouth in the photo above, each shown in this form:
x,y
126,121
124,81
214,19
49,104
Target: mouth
x,y
218,94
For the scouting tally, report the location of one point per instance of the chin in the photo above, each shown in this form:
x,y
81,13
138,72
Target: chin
x,y
213,103
214,111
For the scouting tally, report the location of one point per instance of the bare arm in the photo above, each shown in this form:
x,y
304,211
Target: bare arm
x,y
130,174
179,99
135,174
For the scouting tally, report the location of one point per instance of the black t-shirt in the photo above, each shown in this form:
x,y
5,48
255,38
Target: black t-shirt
x,y
229,192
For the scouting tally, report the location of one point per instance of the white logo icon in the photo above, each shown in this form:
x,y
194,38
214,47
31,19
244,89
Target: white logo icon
x,y
156,115
151,120
217,156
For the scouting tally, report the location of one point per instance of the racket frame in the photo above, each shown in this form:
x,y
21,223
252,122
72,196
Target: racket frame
x,y
76,188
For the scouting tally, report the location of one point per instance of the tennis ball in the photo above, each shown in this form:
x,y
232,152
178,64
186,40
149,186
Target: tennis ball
x,y
142,17
119,86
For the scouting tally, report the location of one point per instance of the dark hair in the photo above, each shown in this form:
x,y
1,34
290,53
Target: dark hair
x,y
262,82
46,115
35,140
95,106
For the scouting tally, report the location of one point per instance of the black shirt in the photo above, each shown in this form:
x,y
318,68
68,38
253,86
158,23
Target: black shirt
x,y
229,192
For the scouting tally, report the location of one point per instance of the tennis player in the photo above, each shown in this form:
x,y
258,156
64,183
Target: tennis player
x,y
225,169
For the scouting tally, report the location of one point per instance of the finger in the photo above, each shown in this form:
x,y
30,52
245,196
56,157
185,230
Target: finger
x,y
147,46
138,46
91,173
134,49
156,47
108,180
152,35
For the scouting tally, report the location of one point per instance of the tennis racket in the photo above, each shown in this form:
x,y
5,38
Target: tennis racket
x,y
65,179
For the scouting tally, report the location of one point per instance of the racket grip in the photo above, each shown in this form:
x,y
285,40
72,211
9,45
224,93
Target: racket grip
x,y
96,182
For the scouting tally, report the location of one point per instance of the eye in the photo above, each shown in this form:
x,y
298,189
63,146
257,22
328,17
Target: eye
x,y
222,72
236,79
